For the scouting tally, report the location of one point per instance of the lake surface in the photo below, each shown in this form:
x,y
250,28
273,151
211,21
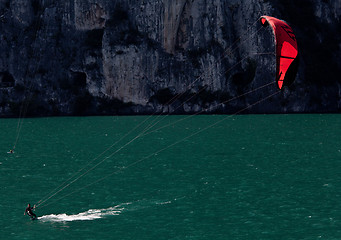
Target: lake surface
x,y
173,177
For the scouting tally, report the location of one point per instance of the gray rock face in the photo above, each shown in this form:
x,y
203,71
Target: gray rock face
x,y
81,57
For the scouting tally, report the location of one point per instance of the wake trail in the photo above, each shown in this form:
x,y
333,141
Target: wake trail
x,y
94,214
91,214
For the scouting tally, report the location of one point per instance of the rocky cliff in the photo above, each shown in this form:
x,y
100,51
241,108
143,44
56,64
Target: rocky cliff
x,y
83,57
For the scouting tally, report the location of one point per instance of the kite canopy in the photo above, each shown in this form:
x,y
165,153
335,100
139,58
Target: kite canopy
x,y
286,50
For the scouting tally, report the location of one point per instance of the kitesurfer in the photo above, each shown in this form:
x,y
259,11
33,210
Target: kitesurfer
x,y
29,211
11,151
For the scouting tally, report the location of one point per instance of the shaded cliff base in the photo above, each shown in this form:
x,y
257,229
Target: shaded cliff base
x,y
164,102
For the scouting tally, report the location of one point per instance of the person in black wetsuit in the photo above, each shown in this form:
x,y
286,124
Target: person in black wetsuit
x,y
29,212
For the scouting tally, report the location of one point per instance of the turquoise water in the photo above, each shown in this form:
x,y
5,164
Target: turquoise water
x,y
246,177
